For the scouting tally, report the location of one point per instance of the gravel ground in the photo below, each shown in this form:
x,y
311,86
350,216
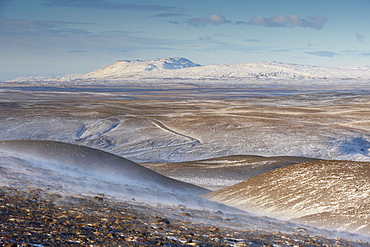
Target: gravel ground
x,y
37,218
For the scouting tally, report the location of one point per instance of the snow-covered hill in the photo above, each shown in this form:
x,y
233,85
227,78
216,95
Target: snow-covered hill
x,y
183,68
57,164
132,68
329,194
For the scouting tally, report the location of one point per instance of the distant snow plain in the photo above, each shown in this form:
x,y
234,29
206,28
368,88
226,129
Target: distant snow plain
x,y
223,123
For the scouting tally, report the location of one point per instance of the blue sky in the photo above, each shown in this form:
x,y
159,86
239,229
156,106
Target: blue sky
x,y
55,37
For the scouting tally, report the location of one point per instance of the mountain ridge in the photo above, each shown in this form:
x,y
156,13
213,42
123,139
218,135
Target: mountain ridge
x,y
182,68
129,68
185,69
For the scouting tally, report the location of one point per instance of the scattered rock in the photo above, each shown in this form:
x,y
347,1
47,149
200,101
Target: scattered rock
x,y
162,221
84,221
214,229
186,214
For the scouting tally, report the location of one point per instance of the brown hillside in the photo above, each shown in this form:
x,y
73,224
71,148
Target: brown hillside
x,y
330,194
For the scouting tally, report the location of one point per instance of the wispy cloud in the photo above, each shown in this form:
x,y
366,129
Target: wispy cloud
x,y
212,20
12,26
360,37
166,15
76,51
103,4
253,40
213,45
281,50
205,38
315,22
174,22
57,37
322,53
358,53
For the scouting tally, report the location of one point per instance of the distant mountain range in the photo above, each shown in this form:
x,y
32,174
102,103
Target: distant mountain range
x,y
183,68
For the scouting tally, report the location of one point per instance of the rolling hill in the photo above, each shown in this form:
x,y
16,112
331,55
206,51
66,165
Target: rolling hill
x,y
330,194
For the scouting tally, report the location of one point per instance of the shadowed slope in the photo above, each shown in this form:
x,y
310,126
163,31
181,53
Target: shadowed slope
x,y
332,194
221,172
75,158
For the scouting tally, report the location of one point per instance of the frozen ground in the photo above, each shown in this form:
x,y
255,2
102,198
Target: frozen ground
x,y
159,121
218,173
157,124
39,166
331,194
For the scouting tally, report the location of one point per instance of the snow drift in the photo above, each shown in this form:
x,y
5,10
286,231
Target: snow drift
x,y
221,172
71,158
329,194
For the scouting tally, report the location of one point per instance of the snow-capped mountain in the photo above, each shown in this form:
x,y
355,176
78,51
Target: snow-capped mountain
x,y
185,69
132,68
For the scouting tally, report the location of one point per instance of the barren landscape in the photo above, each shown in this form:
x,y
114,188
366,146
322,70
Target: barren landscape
x,y
205,161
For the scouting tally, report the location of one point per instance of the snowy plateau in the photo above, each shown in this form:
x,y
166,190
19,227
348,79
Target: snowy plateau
x,y
278,148
183,68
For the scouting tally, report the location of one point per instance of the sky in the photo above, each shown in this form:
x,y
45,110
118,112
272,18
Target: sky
x,y
59,37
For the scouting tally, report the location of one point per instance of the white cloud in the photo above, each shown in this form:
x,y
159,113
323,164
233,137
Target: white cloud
x,y
213,20
316,22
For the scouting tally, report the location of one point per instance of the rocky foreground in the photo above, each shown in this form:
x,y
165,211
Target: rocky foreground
x,y
37,218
